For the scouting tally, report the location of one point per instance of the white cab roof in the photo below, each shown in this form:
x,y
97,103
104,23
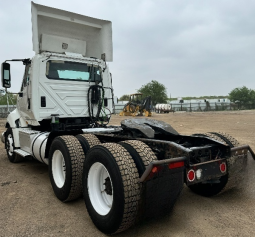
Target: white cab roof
x,y
61,31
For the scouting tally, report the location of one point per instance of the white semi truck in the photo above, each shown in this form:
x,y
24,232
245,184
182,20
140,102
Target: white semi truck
x,y
125,173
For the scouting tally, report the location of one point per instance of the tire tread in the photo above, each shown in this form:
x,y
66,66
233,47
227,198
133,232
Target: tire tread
x,y
145,152
130,178
91,139
77,158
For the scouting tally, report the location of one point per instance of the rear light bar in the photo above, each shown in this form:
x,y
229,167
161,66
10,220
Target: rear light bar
x,y
156,166
198,172
173,165
176,165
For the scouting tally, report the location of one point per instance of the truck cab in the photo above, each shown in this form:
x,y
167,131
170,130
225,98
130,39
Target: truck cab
x,y
55,83
68,77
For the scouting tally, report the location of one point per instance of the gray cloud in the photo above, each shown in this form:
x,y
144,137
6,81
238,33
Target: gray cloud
x,y
193,47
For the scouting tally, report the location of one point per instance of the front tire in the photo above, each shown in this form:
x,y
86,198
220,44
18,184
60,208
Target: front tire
x,y
66,159
10,146
110,187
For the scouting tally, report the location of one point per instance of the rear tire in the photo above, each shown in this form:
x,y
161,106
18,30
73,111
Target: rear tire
x,y
65,167
229,140
211,189
10,146
87,141
110,187
156,201
141,154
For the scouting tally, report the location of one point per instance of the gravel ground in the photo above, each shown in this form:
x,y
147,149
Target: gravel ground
x,y
29,207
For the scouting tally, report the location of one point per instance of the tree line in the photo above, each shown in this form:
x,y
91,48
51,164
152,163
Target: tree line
x,y
157,91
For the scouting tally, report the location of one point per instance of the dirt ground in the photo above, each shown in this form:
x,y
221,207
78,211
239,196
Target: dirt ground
x,y
28,206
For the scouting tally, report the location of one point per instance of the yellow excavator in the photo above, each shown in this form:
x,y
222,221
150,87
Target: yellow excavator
x,y
137,106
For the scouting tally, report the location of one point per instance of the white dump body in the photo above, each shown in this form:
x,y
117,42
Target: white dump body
x,y
61,31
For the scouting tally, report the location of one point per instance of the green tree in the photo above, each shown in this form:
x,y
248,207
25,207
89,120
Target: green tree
x,y
124,98
243,95
12,98
156,90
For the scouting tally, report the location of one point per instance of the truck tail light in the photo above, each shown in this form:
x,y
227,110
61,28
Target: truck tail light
x,y
176,165
154,170
191,175
223,167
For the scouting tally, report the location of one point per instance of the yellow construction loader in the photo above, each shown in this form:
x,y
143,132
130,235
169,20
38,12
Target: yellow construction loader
x,y
137,106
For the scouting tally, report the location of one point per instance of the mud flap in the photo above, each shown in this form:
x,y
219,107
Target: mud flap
x,y
236,164
160,192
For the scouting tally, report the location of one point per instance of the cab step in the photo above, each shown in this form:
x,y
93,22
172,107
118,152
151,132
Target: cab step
x,y
22,153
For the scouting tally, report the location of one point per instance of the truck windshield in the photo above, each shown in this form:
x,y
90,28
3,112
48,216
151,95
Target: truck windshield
x,y
66,70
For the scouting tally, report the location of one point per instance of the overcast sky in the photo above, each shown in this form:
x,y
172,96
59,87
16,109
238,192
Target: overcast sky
x,y
193,47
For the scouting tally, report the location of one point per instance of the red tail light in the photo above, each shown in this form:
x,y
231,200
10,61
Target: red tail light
x,y
176,165
223,167
154,169
191,175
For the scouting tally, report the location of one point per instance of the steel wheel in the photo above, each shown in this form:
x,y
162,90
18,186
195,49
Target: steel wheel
x,y
100,188
9,144
58,168
111,187
66,159
10,147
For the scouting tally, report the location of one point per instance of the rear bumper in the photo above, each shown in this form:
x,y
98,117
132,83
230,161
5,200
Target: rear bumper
x,y
242,150
210,171
163,166
205,171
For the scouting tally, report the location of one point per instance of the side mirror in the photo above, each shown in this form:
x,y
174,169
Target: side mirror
x,y
6,75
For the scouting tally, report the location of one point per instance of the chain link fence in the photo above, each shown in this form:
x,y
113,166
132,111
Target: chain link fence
x,y
213,106
4,110
189,107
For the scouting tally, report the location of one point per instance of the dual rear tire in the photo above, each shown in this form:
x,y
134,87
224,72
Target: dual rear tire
x,y
111,188
108,177
66,158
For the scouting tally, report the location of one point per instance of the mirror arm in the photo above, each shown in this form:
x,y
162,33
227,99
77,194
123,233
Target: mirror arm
x,y
25,61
